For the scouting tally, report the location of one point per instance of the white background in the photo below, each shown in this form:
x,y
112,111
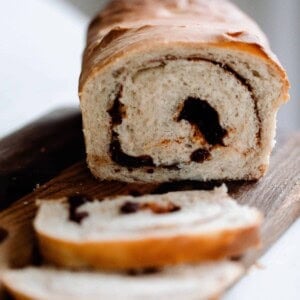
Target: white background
x,y
41,42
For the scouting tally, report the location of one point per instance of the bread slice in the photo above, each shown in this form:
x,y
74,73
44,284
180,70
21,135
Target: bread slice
x,y
207,281
174,90
146,231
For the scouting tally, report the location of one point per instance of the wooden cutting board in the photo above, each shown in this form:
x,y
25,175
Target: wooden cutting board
x,y
277,195
37,152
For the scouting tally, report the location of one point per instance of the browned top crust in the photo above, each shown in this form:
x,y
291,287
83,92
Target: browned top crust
x,y
128,25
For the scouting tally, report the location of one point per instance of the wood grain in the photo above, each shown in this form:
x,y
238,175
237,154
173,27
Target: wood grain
x,y
36,153
277,195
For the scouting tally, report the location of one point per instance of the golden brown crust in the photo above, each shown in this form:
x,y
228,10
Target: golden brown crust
x,y
150,252
126,27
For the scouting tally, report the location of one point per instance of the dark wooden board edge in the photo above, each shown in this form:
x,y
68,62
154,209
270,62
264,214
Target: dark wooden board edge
x,y
39,151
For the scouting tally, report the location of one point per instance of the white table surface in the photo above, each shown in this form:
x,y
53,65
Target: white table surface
x,y
40,52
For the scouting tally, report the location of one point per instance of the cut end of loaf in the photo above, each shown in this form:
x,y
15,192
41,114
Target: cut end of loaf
x,y
174,90
203,116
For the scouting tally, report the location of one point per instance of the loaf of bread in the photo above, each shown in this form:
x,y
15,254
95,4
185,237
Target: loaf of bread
x,y
207,281
146,231
178,89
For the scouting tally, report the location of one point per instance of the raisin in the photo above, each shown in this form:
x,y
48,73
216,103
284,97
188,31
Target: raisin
x,y
200,155
129,207
74,203
198,112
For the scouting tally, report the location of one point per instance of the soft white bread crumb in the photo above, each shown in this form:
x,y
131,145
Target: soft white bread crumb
x,y
204,225
183,282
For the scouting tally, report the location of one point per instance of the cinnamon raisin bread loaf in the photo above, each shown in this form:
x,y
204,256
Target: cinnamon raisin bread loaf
x,y
146,231
178,89
206,281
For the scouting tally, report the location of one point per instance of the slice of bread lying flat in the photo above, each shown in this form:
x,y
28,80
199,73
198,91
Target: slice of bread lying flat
x,y
146,231
206,281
